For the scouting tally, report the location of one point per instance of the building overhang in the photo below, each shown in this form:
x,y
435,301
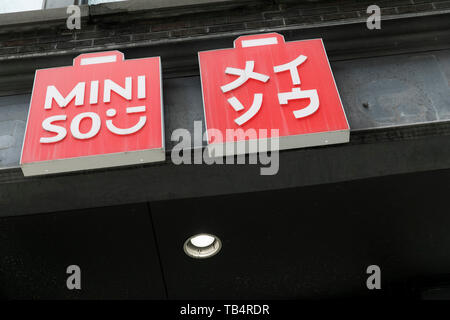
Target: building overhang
x,y
376,148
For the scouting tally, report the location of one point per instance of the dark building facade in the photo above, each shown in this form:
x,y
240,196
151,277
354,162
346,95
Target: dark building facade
x,y
310,231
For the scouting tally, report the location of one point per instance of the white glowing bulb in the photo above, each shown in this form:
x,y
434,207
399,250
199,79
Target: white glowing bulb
x,y
202,241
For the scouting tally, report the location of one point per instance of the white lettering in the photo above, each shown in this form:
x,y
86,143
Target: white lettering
x,y
48,126
95,126
112,86
53,94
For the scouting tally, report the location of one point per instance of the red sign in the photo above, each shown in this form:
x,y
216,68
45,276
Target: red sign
x,y
100,112
265,83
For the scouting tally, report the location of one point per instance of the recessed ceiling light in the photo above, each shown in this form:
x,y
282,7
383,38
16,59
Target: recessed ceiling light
x,y
202,246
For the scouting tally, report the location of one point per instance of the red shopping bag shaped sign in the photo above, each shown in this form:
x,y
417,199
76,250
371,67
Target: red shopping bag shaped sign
x,y
103,111
265,83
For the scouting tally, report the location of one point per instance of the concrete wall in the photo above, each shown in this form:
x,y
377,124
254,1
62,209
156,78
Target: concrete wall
x,y
165,24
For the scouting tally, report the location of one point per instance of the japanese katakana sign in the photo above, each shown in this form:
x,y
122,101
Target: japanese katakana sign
x,y
100,112
265,83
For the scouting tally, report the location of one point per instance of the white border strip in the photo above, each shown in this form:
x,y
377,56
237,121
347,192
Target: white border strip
x,y
135,109
96,60
259,42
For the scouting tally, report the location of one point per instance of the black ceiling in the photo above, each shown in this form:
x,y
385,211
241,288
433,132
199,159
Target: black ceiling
x,y
310,242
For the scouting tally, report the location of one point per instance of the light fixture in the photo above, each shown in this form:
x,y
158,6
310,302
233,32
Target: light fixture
x,y
202,245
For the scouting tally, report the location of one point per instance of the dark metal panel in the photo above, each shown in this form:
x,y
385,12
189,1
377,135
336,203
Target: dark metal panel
x,y
182,106
395,90
13,118
113,246
376,93
311,242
